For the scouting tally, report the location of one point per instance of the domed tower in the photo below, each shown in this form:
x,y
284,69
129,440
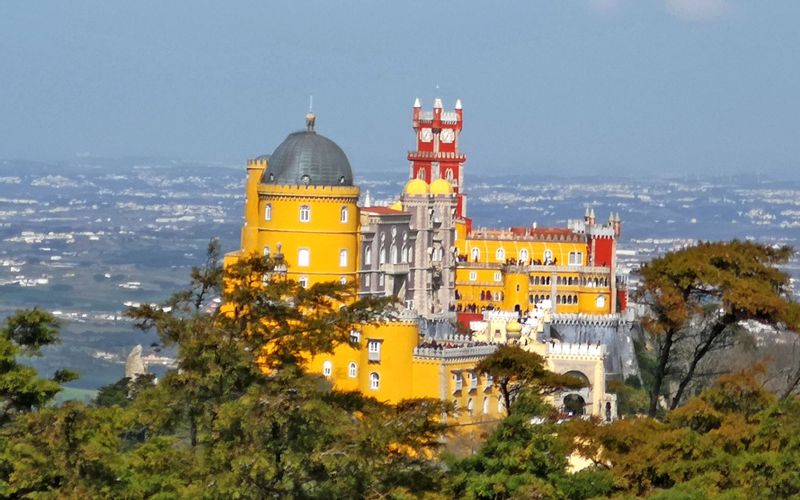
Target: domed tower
x,y
301,203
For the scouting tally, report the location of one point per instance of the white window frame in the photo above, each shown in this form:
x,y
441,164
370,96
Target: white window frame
x,y
343,257
352,369
366,280
374,346
355,336
524,255
266,251
303,257
500,255
498,276
473,276
374,381
344,215
303,281
475,254
343,280
367,255
575,258
305,213
327,368
268,211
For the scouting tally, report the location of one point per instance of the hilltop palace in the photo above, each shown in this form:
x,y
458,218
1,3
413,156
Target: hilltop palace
x,y
554,291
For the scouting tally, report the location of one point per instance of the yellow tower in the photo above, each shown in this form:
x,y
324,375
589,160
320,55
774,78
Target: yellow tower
x,y
301,203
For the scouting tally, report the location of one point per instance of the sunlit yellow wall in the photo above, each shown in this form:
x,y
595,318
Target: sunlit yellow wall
x,y
516,291
488,249
255,170
397,340
324,235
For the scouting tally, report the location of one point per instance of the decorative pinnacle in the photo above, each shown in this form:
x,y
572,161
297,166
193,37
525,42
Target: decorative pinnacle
x,y
437,103
310,120
458,103
417,103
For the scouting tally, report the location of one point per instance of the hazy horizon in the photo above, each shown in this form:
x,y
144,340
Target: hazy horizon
x,y
663,88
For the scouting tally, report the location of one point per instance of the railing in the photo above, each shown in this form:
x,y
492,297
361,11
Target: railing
x,y
577,349
454,352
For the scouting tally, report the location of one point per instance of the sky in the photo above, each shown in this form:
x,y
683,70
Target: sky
x,y
569,87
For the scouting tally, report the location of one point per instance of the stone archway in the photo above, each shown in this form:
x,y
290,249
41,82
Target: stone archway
x,y
574,405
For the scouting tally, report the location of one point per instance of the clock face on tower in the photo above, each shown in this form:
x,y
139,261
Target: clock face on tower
x,y
426,135
447,135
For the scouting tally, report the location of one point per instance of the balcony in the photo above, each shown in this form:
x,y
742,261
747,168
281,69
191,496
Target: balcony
x,y
395,269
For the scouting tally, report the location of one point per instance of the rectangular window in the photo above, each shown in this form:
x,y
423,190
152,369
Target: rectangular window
x,y
473,276
303,281
355,336
473,380
305,213
268,211
343,215
575,258
498,276
266,251
342,258
380,279
304,257
374,350
366,280
458,382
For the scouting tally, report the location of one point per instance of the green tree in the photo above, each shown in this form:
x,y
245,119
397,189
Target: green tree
x,y
516,371
24,333
698,294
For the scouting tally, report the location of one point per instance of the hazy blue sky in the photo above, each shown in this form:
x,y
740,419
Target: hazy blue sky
x,y
578,86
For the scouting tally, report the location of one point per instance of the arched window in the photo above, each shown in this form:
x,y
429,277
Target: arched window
x,y
547,257
303,281
327,368
343,215
500,255
352,370
535,280
600,301
448,174
266,251
394,254
486,405
374,381
268,211
476,254
303,257
470,406
455,408
382,255
305,213
421,174
367,255
574,299
523,256
404,253
342,258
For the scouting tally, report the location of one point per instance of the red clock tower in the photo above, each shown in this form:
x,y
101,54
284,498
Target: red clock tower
x,y
437,156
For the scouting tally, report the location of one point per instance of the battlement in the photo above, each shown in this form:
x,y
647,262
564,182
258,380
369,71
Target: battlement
x,y
602,320
308,190
570,349
478,351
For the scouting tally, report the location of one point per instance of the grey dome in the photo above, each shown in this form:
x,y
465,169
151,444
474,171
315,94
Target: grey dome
x,y
308,158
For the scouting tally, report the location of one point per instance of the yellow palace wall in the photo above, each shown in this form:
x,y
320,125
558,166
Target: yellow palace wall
x,y
403,375
273,217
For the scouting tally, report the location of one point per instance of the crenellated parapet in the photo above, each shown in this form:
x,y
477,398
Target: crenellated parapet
x,y
591,320
455,353
585,351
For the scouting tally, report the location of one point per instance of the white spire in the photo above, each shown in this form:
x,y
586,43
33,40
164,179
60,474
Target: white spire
x,y
417,103
437,103
458,103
